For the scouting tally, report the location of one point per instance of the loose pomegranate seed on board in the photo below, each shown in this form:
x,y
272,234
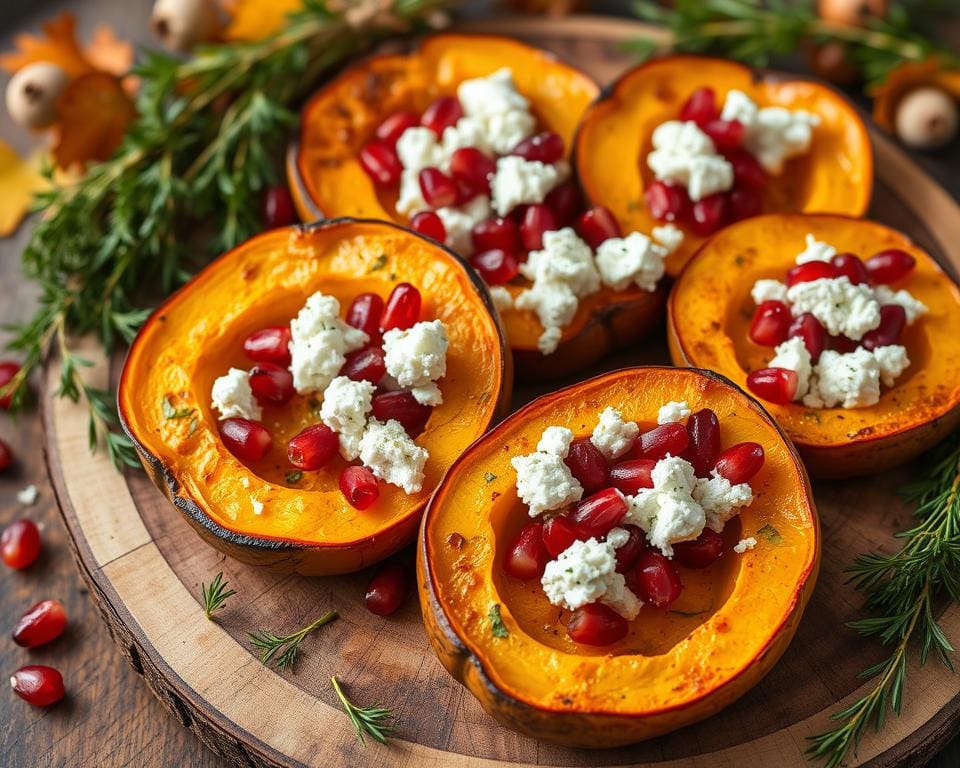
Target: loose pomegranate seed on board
x,y
20,544
278,208
439,190
850,266
893,319
596,225
559,533
381,163
496,266
565,202
701,107
6,456
429,224
812,270
401,406
740,462
596,624
271,384
313,447
657,580
441,114
269,345
776,385
365,313
392,128
38,685
661,440
770,324
725,134
700,553
747,171
631,476
546,147
889,266
403,308
365,365
627,554
708,214
8,369
526,557
42,623
497,233
811,330
359,486
587,464
388,590
473,168
245,439
744,202
537,219
703,429
600,513
666,202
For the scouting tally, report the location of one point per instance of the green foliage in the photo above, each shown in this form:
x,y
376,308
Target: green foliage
x,y
376,721
285,648
215,594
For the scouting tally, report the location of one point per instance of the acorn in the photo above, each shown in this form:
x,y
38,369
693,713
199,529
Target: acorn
x,y
927,118
853,13
32,94
183,24
831,61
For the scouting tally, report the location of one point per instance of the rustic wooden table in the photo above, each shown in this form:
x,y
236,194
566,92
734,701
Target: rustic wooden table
x,y
109,717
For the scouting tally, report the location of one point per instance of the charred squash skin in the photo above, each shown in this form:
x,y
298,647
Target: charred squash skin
x,y
672,669
305,526
615,137
709,315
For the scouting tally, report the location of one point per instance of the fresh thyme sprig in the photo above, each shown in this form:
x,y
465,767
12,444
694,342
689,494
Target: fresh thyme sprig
x,y
902,590
215,594
377,721
287,646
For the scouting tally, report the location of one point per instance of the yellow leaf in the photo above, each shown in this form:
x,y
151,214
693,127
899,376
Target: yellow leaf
x,y
257,19
20,178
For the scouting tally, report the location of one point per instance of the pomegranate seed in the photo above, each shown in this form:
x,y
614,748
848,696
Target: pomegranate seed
x,y
381,163
441,114
547,147
559,533
588,465
667,202
700,553
596,624
42,623
811,330
401,406
630,476
850,266
6,456
403,308
470,166
278,209
245,439
429,224
661,440
565,202
526,556
269,345
812,270
494,234
596,225
841,344
703,428
740,462
776,385
8,370
628,553
725,134
391,129
496,267
747,171
657,579
365,313
20,544
600,513
708,214
744,202
313,447
38,685
893,319
439,190
537,219
701,107
889,266
359,486
365,365
388,589
770,323
271,384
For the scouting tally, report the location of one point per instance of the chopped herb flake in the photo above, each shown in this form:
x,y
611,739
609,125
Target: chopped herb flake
x,y
497,627
169,412
771,534
380,263
294,476
489,477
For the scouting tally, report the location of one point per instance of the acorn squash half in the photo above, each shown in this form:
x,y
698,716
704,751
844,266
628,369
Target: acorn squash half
x,y
729,627
305,525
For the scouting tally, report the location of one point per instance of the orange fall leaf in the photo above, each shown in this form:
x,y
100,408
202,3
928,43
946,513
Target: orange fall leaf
x,y
57,45
95,111
257,19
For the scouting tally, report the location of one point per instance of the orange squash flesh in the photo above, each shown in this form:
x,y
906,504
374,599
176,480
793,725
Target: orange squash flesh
x,y
198,334
730,625
615,137
709,315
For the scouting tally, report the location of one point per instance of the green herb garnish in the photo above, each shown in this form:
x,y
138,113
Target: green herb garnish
x,y
287,646
377,721
215,595
497,627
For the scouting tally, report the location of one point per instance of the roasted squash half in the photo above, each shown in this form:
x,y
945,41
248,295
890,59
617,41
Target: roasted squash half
x,y
728,629
709,318
615,137
193,338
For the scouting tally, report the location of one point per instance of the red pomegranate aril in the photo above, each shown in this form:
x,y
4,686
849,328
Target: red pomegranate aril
x,y
359,487
708,214
429,224
631,476
366,313
526,556
893,319
841,344
365,365
401,406
747,171
439,190
889,266
381,163
700,553
657,580
547,147
588,465
725,134
42,623
403,308
493,234
661,440
6,456
20,544
559,533
744,202
812,270
850,266
496,266
8,370
600,513
392,128
388,590
703,429
473,167
38,685
776,385
740,462
565,202
278,209
596,225
811,330
596,624
770,324
701,107
269,345
245,439
313,447
441,114
537,219
667,202
271,384
628,553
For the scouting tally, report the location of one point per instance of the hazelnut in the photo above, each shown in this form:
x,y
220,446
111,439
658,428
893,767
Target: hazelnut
x,y
32,94
926,118
854,13
183,24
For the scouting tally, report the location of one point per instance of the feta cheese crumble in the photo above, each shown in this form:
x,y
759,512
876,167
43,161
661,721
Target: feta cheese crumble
x,y
634,259
673,411
544,482
744,544
613,436
556,440
320,341
232,396
843,308
815,251
502,298
27,496
417,357
768,290
683,154
392,456
346,404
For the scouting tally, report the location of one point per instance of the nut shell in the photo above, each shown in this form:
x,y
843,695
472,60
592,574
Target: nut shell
x,y
183,24
32,94
927,118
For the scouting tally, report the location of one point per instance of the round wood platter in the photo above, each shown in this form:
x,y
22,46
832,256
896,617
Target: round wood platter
x,y
144,566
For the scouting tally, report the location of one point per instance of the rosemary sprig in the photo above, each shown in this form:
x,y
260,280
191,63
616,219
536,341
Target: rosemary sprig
x,y
287,646
902,590
377,721
215,594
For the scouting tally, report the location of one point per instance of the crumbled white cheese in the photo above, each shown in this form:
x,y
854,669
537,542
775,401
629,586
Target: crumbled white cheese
x,y
232,396
468,132
794,356
544,482
744,544
913,307
319,343
428,394
772,134
549,340
392,456
346,404
669,236
502,111
768,290
843,308
668,513
458,223
502,298
815,251
417,356
849,380
586,572
613,436
556,440
720,499
257,506
893,361
673,411
684,154
27,496
519,181
632,259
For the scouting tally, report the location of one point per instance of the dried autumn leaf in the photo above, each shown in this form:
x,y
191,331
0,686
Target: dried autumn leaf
x,y
94,113
58,45
109,53
20,178
257,19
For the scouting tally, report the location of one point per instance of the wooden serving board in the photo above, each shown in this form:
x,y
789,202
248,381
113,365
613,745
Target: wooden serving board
x,y
144,566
